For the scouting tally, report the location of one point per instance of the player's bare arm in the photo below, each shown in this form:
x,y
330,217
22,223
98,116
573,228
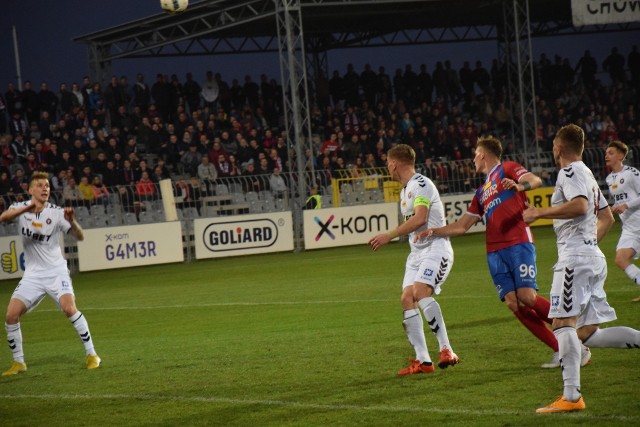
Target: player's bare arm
x,y
457,228
605,222
412,224
632,205
618,209
12,213
75,230
571,209
528,181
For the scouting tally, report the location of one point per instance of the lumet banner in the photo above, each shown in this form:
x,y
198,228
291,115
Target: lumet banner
x,y
593,12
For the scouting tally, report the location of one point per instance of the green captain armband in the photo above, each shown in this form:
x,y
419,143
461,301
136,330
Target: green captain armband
x,y
526,186
421,201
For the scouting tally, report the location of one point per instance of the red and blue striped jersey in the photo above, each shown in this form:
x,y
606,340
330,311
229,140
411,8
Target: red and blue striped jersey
x,y
502,208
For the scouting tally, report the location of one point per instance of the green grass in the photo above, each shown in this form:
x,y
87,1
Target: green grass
x,y
303,339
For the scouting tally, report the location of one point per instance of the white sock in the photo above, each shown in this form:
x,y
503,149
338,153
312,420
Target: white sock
x,y
415,334
569,349
14,339
433,315
614,337
634,273
79,322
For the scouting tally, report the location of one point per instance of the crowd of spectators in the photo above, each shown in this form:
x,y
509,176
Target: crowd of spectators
x,y
96,140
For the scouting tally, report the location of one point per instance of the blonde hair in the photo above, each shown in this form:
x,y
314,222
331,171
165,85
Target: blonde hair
x,y
38,175
572,138
620,146
402,153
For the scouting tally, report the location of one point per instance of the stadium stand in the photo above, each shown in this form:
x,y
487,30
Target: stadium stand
x,y
127,138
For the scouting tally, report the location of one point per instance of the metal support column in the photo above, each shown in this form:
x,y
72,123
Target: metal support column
x,y
515,50
317,65
293,72
99,69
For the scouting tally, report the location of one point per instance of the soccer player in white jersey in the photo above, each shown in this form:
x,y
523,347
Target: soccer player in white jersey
x,y
624,188
581,218
46,271
428,264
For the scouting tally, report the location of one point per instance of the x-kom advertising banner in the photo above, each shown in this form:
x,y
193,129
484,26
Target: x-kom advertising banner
x,y
355,225
130,246
243,235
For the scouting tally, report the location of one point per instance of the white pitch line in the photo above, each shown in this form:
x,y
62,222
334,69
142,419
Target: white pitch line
x,y
314,406
272,303
248,304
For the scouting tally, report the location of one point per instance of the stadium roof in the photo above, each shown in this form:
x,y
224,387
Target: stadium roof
x,y
243,26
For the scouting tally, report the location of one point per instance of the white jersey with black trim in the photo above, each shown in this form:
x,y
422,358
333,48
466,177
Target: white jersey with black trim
x,y
420,190
624,188
579,235
40,234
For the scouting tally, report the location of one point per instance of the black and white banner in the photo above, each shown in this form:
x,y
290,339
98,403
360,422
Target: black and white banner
x,y
353,225
243,235
592,12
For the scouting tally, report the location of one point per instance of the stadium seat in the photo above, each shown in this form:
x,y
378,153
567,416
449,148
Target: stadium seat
x,y
256,206
113,208
146,217
114,220
222,190
154,205
82,212
158,215
327,200
265,195
238,197
84,221
358,185
235,187
269,205
346,188
130,218
100,220
375,196
280,205
251,196
190,213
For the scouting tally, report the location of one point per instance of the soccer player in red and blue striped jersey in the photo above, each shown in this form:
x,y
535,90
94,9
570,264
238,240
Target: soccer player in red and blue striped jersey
x,y
511,254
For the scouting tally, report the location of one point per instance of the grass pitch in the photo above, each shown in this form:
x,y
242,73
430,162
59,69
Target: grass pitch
x,y
303,339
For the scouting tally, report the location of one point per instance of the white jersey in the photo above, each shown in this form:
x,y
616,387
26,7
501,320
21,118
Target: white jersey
x,y
624,187
579,235
420,190
40,234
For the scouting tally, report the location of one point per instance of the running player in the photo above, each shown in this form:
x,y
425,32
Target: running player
x,y
46,270
624,188
428,264
511,254
581,218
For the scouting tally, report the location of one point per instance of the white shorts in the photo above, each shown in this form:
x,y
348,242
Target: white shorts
x,y
429,267
578,290
32,289
629,240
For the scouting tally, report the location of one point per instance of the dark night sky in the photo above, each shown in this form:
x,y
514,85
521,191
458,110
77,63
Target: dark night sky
x,y
47,53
